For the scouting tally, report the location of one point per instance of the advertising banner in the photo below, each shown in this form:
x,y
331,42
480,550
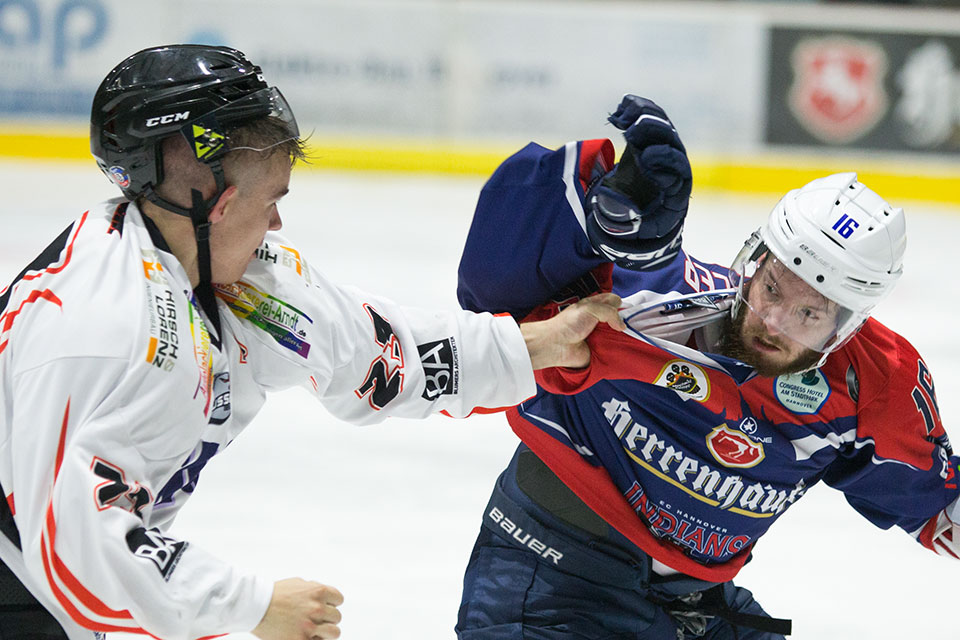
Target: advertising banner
x,y
491,70
881,90
45,51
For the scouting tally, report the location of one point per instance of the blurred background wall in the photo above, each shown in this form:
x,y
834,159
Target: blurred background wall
x,y
765,94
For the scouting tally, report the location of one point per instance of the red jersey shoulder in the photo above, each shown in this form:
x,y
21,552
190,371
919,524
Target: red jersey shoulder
x,y
896,398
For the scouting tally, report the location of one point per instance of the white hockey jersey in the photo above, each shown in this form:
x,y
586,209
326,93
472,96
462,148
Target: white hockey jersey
x,y
116,391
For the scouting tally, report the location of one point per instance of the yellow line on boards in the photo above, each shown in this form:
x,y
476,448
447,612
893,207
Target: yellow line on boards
x,y
45,146
906,180
909,181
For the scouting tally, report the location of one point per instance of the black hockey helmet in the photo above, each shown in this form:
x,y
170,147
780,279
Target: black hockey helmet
x,y
198,91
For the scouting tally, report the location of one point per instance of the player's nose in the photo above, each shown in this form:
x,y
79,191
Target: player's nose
x,y
773,322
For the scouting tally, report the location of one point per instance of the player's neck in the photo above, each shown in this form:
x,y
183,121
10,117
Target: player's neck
x,y
177,231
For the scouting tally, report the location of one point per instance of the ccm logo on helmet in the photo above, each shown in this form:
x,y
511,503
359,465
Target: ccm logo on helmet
x,y
167,119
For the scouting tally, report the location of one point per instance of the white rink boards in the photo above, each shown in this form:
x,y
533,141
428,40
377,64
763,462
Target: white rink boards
x,y
388,513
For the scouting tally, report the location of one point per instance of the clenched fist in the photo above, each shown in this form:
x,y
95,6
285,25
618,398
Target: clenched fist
x,y
301,610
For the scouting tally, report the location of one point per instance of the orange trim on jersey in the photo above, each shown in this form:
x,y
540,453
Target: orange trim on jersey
x,y
296,254
6,320
69,580
68,254
13,508
62,443
476,411
69,607
151,349
52,563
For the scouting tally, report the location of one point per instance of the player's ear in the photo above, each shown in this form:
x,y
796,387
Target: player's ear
x,y
223,204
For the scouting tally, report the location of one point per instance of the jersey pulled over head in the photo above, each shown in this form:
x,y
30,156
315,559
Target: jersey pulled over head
x,y
829,253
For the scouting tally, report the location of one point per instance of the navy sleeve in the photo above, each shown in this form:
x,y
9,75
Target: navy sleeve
x,y
526,241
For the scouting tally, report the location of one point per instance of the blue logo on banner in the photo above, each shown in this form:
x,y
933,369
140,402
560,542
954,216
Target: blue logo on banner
x,y
76,25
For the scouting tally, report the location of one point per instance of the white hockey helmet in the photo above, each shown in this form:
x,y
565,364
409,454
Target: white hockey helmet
x,y
842,240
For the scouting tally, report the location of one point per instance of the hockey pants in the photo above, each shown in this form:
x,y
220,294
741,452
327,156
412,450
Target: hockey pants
x,y
21,616
546,567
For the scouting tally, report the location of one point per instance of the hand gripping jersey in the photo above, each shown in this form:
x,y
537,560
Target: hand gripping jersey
x,y
115,394
689,453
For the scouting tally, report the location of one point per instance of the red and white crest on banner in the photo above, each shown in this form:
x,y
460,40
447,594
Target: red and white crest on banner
x,y
837,92
733,448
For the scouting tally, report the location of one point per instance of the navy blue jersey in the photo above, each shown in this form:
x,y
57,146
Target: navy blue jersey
x,y
688,453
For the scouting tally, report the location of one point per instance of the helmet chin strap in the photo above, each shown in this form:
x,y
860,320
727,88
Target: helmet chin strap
x,y
199,215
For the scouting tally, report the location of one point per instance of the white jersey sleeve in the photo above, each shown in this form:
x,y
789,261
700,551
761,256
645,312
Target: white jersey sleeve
x,y
366,357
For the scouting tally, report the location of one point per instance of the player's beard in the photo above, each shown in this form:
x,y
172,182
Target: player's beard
x,y
733,345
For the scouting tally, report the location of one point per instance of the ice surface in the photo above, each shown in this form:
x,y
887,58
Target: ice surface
x,y
388,513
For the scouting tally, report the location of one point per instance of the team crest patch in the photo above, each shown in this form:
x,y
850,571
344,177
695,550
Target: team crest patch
x,y
733,448
802,392
686,378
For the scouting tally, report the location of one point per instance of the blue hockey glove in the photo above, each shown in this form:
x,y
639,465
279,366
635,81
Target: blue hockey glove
x,y
635,212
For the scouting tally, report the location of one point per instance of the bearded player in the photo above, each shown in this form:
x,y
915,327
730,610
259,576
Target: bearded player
x,y
644,480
